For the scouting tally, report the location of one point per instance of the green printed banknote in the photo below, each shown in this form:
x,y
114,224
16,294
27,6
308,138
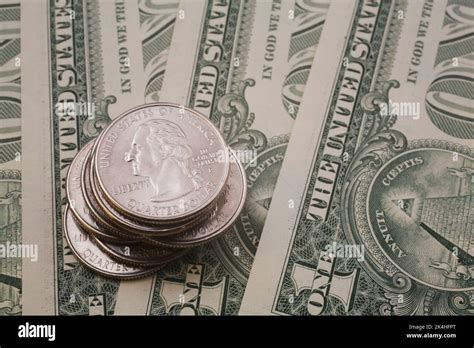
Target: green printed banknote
x,y
373,212
353,120
10,160
106,57
245,69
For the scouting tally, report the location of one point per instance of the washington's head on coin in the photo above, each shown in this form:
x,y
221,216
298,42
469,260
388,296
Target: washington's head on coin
x,y
161,162
160,151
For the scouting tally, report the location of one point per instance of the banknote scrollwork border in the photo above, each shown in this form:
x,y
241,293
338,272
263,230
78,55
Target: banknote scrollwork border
x,y
406,296
93,126
238,119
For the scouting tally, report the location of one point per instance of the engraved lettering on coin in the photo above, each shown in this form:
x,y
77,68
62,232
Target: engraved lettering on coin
x,y
89,254
132,226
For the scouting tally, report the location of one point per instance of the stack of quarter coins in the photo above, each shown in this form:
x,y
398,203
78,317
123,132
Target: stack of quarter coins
x,y
158,180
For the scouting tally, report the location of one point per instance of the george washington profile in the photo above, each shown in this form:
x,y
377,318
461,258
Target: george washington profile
x,y
160,151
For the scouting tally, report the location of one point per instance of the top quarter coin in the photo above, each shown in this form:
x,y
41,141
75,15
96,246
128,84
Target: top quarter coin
x,y
161,163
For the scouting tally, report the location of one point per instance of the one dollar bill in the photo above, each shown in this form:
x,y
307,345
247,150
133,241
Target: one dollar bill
x,y
101,57
244,65
11,246
373,210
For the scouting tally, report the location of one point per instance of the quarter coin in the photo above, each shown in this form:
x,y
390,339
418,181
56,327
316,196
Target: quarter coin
x,y
161,163
89,254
